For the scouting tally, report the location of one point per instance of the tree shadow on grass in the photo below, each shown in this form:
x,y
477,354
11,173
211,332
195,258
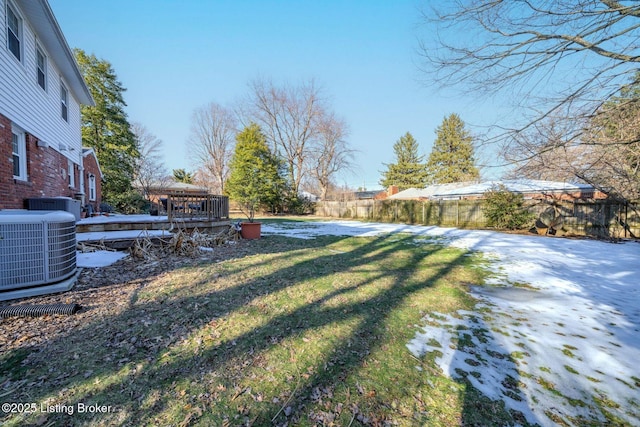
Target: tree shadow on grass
x,y
185,353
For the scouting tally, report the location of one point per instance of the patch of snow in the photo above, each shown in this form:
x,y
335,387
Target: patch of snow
x,y
98,258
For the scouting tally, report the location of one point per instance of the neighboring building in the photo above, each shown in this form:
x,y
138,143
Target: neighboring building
x,y
159,191
170,186
367,195
382,195
358,195
308,196
41,90
92,179
429,192
530,189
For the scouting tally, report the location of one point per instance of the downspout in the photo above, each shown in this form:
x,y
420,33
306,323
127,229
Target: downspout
x,y
82,192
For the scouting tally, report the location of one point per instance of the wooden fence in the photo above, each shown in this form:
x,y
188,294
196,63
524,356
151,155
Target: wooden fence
x,y
603,218
207,207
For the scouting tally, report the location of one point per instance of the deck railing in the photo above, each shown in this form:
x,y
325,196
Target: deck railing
x,y
205,207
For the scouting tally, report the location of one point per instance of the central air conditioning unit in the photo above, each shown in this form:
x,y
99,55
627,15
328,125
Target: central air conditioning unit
x,y
37,252
54,204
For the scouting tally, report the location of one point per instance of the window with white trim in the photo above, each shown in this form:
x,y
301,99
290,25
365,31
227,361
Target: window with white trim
x,y
41,68
92,187
71,174
14,32
19,153
64,97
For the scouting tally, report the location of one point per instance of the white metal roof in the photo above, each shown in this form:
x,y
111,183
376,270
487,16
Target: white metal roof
x,y
457,189
428,192
515,186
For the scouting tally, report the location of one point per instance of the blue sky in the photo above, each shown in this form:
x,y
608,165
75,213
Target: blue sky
x,y
175,56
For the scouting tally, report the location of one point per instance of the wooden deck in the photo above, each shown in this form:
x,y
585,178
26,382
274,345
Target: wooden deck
x,y
208,213
123,224
102,226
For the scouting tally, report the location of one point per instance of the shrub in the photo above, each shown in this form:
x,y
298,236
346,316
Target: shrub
x,y
299,205
130,202
504,209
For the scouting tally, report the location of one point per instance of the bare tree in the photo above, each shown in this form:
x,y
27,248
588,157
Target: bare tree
x,y
560,59
543,151
149,169
331,152
612,164
606,154
288,115
211,141
202,177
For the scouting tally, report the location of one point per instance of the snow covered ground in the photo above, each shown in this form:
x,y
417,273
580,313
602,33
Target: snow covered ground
x,y
565,345
98,258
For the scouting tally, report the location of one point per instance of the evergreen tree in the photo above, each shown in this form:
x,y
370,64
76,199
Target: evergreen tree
x,y
452,158
409,169
181,175
106,129
255,177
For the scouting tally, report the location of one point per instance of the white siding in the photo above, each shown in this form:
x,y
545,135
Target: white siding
x,y
24,102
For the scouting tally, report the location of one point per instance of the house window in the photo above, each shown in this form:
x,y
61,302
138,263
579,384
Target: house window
x,y
71,174
14,32
64,96
92,187
41,68
19,152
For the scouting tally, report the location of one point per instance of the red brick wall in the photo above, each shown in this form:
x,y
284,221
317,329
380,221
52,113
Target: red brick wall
x,y
6,167
46,172
91,167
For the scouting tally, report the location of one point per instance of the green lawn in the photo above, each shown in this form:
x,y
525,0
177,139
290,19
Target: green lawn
x,y
304,332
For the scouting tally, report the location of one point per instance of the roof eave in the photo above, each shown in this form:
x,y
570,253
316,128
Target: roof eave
x,y
88,151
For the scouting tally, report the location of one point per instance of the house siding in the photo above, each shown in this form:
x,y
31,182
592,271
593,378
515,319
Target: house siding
x,y
38,112
25,102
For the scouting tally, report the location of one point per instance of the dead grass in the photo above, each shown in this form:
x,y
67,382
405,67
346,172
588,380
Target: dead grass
x,y
276,332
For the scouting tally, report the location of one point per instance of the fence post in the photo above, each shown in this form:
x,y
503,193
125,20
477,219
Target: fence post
x,y
626,217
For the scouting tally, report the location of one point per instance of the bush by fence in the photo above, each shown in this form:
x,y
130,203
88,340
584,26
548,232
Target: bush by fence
x,y
603,218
